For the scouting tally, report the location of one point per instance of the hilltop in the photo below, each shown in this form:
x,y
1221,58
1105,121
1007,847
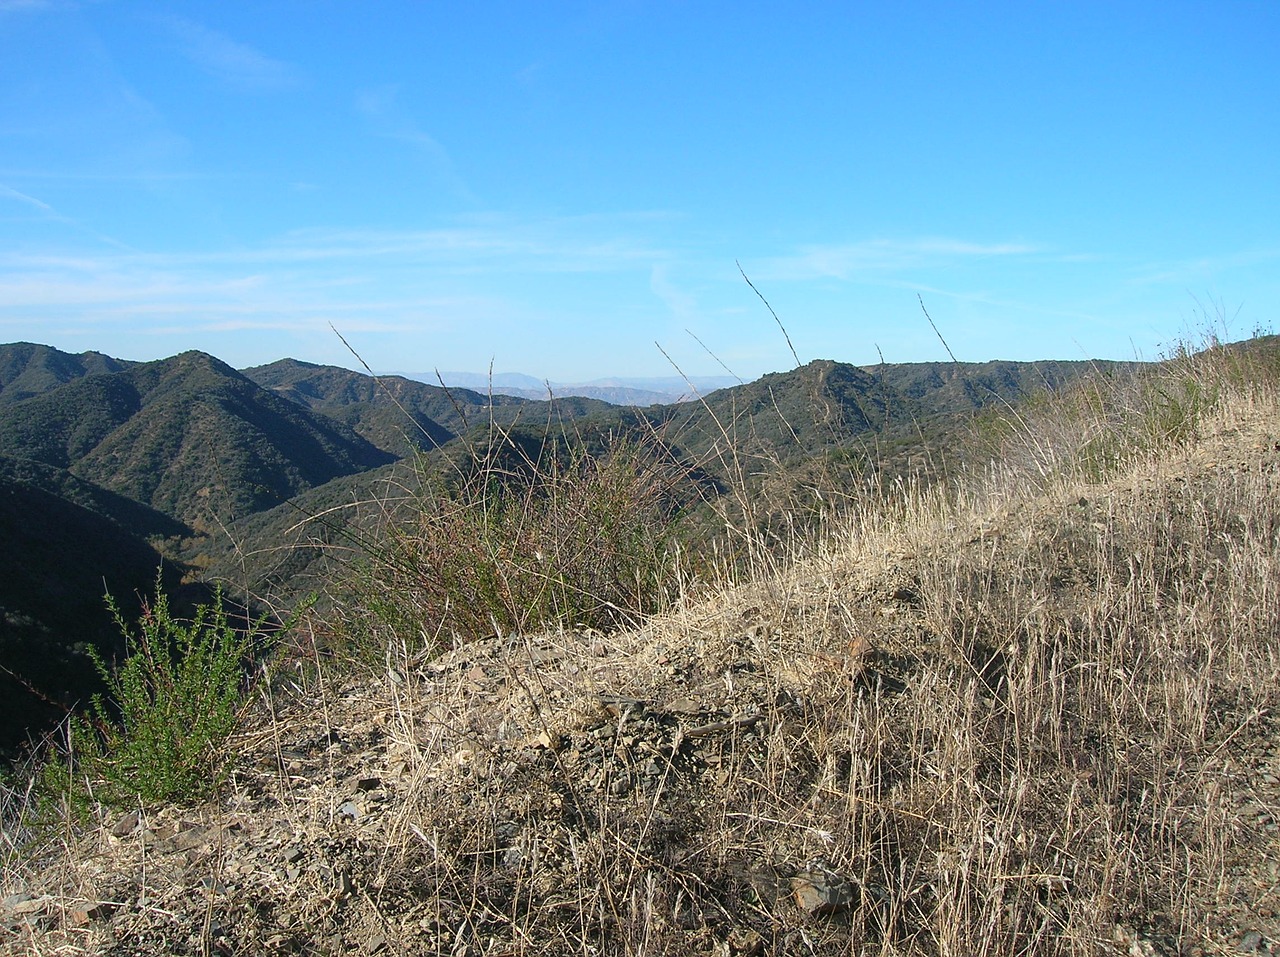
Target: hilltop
x,y
1031,710
1027,709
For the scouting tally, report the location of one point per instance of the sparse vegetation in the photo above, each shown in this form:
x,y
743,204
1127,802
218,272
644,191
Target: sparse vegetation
x,y
1021,705
1118,416
519,540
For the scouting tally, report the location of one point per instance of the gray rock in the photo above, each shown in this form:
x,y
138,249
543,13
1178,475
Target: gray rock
x,y
620,785
350,809
21,905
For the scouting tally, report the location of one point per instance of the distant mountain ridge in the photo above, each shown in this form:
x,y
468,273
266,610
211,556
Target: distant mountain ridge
x,y
177,432
107,465
638,391
392,412
28,369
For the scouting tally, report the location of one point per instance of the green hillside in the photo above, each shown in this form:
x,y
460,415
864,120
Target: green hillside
x,y
188,436
395,414
403,416
131,516
28,369
280,480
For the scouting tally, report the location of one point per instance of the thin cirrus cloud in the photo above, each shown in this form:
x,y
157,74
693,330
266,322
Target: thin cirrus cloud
x,y
983,298
386,118
680,303
1203,268
48,213
8,192
317,273
86,296
879,257
544,246
234,63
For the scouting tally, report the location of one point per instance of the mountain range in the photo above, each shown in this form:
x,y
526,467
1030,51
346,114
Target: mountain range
x,y
626,390
115,472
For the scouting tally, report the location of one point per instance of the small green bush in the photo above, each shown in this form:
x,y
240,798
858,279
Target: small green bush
x,y
161,734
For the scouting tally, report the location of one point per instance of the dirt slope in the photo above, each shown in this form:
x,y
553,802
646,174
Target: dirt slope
x,y
1036,724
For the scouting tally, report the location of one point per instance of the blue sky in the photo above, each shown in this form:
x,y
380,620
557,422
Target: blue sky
x,y
554,187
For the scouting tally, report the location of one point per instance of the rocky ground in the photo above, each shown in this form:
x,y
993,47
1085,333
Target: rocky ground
x,y
778,769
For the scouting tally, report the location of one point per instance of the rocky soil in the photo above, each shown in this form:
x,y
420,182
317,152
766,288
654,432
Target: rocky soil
x,y
767,771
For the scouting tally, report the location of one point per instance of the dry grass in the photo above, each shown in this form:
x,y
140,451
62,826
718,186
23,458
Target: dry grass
x,y
514,541
1023,715
1013,722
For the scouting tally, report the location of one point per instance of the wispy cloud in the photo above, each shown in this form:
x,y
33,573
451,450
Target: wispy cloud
x,y
554,245
567,245
236,64
311,278
48,213
1203,268
881,257
681,303
984,298
388,119
9,192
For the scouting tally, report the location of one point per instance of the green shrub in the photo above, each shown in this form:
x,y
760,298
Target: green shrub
x,y
173,702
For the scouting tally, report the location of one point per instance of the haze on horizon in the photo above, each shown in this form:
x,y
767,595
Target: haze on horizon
x,y
552,189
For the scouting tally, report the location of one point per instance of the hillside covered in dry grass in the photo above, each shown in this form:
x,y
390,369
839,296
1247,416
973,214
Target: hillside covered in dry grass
x,y
1028,711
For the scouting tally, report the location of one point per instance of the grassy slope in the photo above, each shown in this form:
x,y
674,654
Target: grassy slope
x,y
1031,713
892,420
190,456
821,426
